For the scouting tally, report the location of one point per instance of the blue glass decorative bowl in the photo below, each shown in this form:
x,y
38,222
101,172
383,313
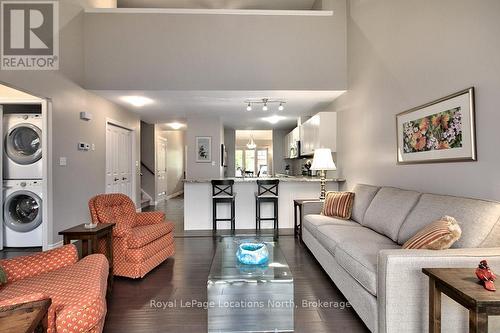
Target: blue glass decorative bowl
x,y
252,253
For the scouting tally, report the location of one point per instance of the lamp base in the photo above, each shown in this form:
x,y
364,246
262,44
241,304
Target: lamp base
x,y
322,174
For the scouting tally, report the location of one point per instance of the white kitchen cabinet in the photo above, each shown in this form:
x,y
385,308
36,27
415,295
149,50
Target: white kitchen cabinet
x,y
319,132
291,140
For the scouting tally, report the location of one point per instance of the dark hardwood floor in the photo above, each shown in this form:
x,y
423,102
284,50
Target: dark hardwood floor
x,y
185,276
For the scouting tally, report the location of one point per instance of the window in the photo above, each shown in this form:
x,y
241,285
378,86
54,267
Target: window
x,y
238,163
251,162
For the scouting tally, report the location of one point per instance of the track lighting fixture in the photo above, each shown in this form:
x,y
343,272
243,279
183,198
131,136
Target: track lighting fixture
x,y
266,103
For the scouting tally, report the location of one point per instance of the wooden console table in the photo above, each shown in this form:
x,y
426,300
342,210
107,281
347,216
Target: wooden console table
x,y
461,285
103,230
297,204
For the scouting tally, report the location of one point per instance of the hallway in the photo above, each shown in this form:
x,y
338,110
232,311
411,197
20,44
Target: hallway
x,y
174,212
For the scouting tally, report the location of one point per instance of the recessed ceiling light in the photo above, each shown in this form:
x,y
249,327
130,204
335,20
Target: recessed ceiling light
x,y
249,107
281,107
273,119
265,108
138,101
175,125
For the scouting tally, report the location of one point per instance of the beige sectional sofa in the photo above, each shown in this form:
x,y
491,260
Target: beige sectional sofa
x,y
382,281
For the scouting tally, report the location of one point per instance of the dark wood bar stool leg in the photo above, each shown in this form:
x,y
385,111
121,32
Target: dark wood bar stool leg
x,y
214,215
233,211
276,225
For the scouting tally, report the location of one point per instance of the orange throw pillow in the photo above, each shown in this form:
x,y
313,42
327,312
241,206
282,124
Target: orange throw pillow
x,y
338,204
439,235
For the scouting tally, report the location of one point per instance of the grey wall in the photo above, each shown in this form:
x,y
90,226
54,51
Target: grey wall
x,y
279,150
406,53
175,160
148,157
199,126
245,52
229,141
84,176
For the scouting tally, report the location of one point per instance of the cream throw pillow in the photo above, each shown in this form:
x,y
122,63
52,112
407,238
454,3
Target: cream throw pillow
x,y
439,235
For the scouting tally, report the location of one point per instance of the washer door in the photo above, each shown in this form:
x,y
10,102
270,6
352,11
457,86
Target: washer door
x,y
22,211
23,144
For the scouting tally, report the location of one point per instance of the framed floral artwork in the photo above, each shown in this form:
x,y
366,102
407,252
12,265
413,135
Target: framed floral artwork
x,y
203,149
440,131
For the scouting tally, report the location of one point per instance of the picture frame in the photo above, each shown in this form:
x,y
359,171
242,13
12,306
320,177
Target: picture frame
x,y
437,132
203,149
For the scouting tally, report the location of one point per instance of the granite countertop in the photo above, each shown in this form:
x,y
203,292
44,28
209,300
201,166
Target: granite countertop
x,y
281,178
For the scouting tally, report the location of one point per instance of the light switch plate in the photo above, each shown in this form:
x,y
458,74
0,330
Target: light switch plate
x,y
63,161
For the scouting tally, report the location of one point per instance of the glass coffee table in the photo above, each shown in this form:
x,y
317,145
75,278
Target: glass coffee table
x,y
243,298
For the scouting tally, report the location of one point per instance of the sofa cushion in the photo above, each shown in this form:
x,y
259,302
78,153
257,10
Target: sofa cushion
x,y
313,221
478,219
143,235
330,235
363,196
389,209
338,205
361,261
77,291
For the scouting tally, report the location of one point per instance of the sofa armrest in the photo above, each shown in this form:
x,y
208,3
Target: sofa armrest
x,y
402,288
312,207
147,218
43,262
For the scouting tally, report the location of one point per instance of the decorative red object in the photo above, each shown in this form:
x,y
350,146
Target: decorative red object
x,y
484,274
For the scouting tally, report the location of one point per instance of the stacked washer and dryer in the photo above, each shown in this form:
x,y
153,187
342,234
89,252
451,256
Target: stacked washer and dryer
x,y
22,179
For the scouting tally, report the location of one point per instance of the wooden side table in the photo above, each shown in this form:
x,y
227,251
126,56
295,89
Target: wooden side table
x,y
461,285
297,205
26,317
103,230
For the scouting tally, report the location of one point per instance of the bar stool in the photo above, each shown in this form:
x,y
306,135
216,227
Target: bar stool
x,y
222,192
267,191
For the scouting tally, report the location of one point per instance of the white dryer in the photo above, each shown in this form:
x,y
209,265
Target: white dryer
x,y
22,146
22,213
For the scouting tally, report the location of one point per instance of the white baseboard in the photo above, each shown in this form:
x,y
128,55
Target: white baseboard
x,y
176,194
55,245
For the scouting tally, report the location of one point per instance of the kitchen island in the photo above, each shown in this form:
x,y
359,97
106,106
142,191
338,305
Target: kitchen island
x,y
198,201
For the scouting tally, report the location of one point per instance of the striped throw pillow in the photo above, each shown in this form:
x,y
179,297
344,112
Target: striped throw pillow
x,y
439,235
338,204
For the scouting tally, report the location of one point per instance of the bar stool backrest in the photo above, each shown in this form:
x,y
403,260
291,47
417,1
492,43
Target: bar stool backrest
x,y
267,187
222,187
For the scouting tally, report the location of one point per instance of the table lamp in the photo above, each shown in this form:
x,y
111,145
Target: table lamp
x,y
323,161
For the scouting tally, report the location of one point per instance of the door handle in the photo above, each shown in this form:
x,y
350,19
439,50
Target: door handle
x,y
124,178
117,179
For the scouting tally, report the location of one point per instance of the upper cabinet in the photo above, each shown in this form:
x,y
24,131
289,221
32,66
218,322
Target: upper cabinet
x,y
291,139
319,132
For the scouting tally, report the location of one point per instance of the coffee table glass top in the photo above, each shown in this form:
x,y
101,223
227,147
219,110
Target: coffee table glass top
x,y
225,265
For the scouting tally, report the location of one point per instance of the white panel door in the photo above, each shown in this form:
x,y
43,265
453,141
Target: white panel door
x,y
161,168
119,160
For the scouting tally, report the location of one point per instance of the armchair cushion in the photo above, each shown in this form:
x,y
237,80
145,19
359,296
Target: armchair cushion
x,y
116,208
147,218
143,235
29,266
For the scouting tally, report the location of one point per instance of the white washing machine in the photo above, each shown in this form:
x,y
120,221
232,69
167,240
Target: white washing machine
x,y
22,213
22,146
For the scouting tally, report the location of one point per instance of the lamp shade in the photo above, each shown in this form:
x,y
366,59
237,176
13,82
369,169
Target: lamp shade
x,y
323,160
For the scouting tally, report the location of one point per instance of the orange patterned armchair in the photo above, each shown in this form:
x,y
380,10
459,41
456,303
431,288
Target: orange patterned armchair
x,y
141,241
77,288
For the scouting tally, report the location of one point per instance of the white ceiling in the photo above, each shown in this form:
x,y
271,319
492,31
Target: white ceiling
x,y
256,135
171,106
220,4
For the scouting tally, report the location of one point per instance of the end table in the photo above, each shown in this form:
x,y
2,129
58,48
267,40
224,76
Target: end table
x,y
297,204
103,230
461,285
